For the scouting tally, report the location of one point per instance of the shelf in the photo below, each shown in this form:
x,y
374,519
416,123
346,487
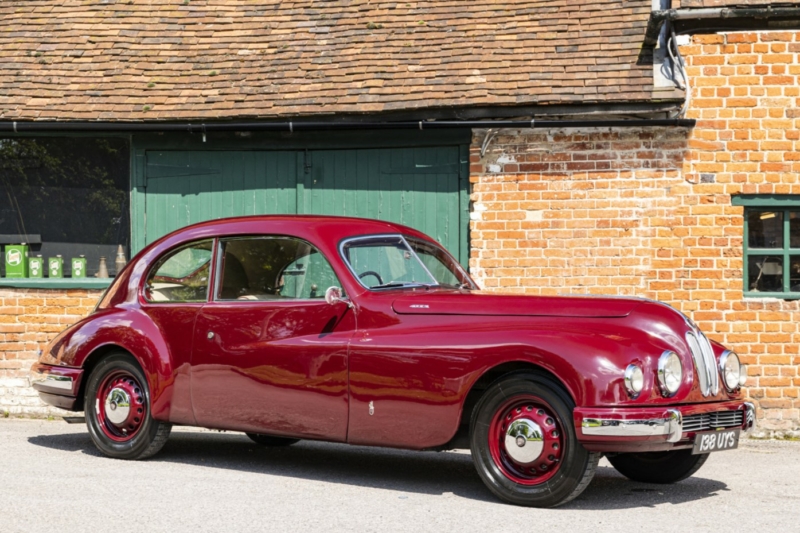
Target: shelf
x,y
56,283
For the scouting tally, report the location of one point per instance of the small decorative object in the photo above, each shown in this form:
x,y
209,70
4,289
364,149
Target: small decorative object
x,y
119,262
36,266
55,267
17,261
102,270
79,267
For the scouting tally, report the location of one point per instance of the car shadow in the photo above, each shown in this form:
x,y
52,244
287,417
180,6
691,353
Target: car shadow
x,y
399,470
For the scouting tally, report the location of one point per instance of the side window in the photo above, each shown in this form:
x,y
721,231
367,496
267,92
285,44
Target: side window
x,y
271,268
181,275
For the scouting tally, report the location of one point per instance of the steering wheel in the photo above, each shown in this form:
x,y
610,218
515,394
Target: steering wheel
x,y
371,273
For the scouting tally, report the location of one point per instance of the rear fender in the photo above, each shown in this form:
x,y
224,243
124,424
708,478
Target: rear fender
x,y
129,330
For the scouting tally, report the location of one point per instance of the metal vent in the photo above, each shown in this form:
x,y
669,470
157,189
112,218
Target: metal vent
x,y
705,362
708,421
711,361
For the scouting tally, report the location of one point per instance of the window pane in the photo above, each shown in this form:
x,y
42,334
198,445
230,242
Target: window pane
x,y
66,196
765,229
181,276
269,268
439,264
185,262
794,273
765,273
385,261
794,230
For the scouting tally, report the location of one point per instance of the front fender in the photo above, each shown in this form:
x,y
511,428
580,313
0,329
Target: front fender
x,y
587,356
125,328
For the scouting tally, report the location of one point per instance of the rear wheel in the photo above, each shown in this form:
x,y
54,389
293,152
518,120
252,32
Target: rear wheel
x,y
117,404
267,440
658,467
524,444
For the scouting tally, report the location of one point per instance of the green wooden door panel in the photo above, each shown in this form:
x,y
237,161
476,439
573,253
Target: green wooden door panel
x,y
422,187
183,188
418,187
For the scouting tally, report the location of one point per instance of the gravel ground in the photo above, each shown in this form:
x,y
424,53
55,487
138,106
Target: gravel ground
x,y
53,479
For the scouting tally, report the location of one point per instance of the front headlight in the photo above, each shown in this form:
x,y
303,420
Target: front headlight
x,y
670,372
634,380
731,370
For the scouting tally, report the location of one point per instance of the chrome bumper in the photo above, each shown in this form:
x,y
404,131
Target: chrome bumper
x,y
671,426
51,381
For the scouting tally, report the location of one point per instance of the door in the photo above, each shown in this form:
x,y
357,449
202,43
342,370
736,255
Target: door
x,y
175,291
417,187
270,355
423,187
185,187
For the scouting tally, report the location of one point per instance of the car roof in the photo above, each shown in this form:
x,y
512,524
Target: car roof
x,y
356,224
331,229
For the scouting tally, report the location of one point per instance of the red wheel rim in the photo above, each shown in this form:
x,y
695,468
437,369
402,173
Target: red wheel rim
x,y
120,406
526,440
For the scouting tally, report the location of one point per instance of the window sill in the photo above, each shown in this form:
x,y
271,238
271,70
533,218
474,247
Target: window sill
x,y
56,283
774,295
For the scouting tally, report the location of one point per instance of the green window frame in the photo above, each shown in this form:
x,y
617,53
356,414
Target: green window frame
x,y
771,270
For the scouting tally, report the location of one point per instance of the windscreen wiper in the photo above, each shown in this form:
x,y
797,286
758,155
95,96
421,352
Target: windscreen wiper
x,y
400,284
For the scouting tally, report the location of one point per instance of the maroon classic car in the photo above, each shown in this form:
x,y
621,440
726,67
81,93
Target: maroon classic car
x,y
370,333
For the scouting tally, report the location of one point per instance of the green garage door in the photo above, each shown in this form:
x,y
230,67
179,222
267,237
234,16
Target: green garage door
x,y
421,187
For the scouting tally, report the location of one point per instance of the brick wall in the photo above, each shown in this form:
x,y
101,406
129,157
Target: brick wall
x,y
29,318
649,212
746,98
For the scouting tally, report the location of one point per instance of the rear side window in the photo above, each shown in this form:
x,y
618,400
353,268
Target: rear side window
x,y
272,268
181,275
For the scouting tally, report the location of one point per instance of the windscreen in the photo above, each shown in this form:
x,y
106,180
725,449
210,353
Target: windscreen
x,y
394,261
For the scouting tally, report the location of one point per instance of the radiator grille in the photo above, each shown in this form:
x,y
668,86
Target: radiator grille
x,y
705,362
708,421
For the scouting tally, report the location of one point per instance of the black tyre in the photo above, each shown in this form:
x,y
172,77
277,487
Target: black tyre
x,y
267,440
658,467
117,403
524,444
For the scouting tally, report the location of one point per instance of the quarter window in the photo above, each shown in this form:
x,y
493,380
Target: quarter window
x,y
272,268
181,275
772,251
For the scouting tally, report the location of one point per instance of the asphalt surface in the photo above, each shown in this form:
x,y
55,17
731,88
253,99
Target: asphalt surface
x,y
53,479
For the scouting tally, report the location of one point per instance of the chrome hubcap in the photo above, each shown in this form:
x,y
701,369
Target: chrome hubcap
x,y
524,441
118,406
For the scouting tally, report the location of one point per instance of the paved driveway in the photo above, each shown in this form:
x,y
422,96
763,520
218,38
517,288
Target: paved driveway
x,y
53,479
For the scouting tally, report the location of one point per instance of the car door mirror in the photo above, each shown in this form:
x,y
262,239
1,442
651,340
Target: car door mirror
x,y
334,294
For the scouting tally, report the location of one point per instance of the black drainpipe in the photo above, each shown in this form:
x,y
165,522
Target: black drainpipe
x,y
151,127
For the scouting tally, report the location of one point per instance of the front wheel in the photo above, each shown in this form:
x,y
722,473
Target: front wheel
x,y
524,444
117,404
658,467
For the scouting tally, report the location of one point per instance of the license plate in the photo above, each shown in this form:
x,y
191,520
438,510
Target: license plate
x,y
716,441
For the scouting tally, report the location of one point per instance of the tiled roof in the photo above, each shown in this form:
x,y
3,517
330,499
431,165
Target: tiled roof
x,y
137,60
